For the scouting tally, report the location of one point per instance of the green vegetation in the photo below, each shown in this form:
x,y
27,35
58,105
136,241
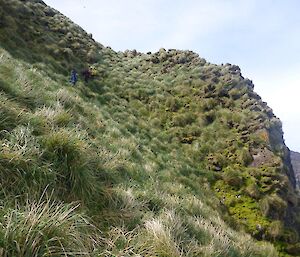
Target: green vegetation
x,y
45,229
161,154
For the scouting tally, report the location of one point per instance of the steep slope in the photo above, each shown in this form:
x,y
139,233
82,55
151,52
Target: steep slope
x,y
167,154
295,158
39,34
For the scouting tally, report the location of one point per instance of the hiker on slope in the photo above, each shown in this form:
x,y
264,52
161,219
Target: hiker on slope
x,y
73,78
87,75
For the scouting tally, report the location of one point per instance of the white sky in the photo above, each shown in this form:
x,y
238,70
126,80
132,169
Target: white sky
x,y
262,37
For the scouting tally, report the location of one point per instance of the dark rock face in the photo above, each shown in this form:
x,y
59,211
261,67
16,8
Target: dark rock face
x,y
295,158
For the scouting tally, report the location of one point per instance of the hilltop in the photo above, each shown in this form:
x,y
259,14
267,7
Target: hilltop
x,y
161,154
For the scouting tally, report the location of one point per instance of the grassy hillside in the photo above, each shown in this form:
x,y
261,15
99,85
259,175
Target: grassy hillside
x,y
162,154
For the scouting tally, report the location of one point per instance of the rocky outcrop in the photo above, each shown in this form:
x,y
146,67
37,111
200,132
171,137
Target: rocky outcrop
x,y
295,158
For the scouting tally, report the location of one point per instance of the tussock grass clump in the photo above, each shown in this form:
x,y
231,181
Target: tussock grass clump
x,y
71,154
45,229
273,206
55,116
233,177
11,114
66,98
275,230
253,190
21,170
161,237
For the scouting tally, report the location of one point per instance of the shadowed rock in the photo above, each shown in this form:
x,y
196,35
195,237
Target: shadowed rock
x,y
295,158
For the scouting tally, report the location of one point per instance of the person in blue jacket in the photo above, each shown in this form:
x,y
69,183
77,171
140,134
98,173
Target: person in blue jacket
x,y
73,78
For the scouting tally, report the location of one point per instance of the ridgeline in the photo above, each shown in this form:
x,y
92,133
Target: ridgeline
x,y
159,154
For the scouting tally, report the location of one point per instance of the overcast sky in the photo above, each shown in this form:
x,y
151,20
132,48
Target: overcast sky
x,y
262,37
